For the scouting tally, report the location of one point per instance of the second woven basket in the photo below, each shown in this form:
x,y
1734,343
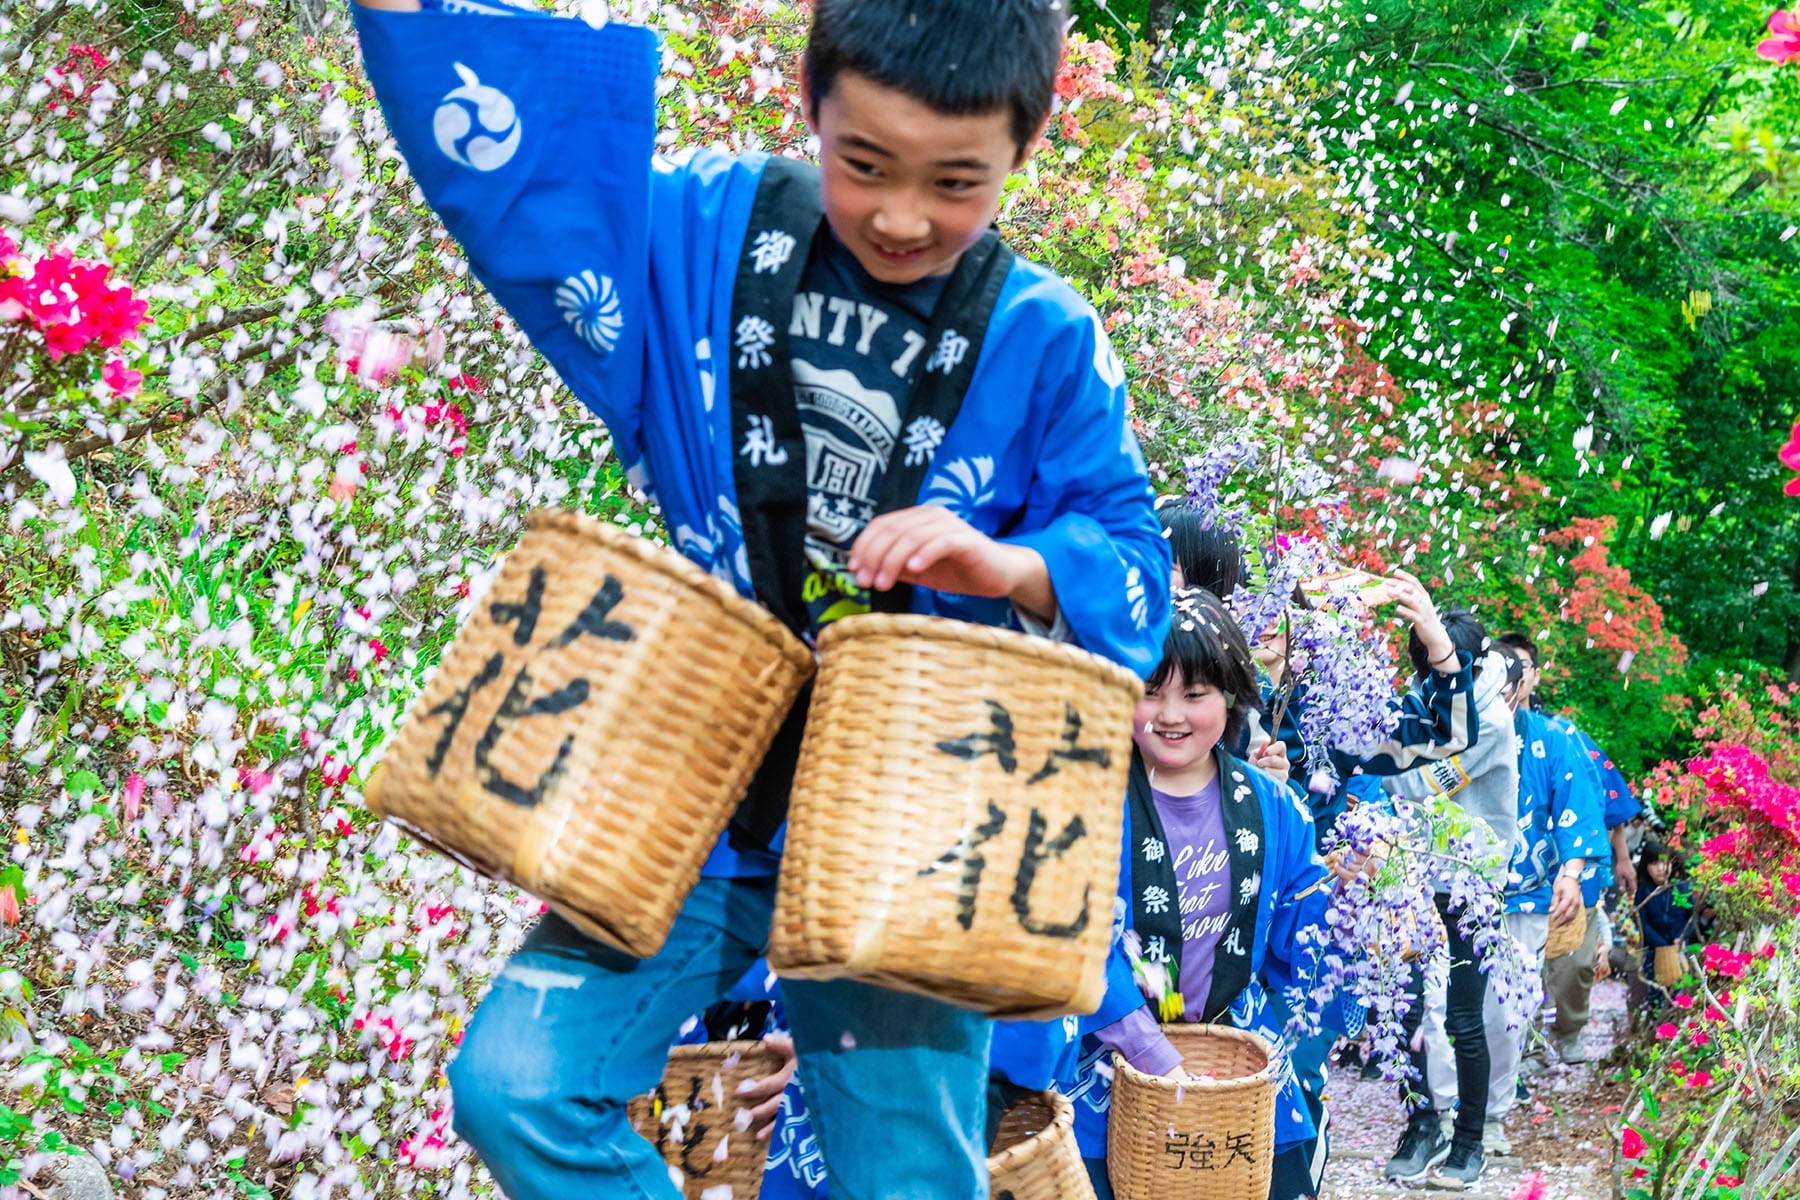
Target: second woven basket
x,y
1212,1138
1034,1156
692,1118
956,815
1566,939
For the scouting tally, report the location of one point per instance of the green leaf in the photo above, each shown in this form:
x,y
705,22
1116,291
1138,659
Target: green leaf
x,y
358,1147
190,962
1650,1104
81,783
14,877
237,950
171,1060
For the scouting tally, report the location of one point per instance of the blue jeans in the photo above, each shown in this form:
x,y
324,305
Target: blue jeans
x,y
571,1030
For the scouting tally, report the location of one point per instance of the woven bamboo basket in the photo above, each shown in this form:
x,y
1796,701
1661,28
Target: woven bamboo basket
x,y
1566,939
692,1118
1034,1154
593,727
956,812
1211,1139
1669,967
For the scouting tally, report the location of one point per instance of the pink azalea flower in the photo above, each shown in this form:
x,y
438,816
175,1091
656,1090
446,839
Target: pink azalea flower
x,y
1632,1144
1790,453
1665,1031
1784,46
134,796
121,378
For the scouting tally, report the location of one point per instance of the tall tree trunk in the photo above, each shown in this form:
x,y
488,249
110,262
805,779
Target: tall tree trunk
x,y
1162,18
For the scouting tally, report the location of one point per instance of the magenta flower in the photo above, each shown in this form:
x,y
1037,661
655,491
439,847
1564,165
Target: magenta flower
x,y
1784,46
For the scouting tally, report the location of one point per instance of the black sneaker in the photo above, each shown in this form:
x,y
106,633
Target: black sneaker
x,y
1371,1071
1462,1169
1421,1148
1521,1093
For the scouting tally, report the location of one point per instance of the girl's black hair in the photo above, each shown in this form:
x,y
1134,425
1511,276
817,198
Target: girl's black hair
x,y
959,57
1210,558
1654,851
1467,634
1206,647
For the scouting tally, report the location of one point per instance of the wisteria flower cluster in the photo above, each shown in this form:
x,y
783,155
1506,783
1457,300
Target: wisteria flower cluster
x,y
1383,928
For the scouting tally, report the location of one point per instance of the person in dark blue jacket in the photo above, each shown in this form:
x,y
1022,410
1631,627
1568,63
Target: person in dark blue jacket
x,y
1665,910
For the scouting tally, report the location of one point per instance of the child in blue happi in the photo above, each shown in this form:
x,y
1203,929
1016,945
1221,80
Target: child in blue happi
x,y
844,393
1569,980
1221,882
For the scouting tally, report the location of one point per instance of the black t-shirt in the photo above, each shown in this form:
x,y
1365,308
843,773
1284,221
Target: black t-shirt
x,y
856,343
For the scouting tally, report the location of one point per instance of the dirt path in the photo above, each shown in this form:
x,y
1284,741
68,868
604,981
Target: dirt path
x,y
1564,1132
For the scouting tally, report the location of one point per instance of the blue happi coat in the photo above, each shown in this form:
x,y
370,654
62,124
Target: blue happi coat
x,y
1560,813
1285,905
534,139
1618,806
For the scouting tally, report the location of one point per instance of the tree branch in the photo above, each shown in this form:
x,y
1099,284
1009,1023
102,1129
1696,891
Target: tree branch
x,y
33,32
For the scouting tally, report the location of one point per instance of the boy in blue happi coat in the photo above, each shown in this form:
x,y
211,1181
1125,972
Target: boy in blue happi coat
x,y
844,393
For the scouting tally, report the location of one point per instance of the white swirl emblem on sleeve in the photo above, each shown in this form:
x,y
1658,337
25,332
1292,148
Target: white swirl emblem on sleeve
x,y
590,304
476,126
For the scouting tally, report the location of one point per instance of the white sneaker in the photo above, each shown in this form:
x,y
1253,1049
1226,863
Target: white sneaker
x,y
1494,1139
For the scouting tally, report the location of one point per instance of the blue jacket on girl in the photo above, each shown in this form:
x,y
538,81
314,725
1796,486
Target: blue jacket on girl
x,y
1281,902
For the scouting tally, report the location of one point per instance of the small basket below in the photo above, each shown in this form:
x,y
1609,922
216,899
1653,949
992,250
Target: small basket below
x,y
1034,1155
1670,969
1566,939
692,1118
1212,1138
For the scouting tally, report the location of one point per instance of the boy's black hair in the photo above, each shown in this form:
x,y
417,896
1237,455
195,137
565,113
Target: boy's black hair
x,y
1206,647
1467,634
1210,558
959,57
1521,641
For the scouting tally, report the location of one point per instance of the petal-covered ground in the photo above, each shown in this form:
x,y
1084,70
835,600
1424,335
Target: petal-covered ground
x,y
1563,1134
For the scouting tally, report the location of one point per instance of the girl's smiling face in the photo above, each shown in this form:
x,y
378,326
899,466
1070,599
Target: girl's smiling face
x,y
1176,727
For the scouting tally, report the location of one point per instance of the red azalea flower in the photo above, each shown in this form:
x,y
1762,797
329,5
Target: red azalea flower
x,y
1683,1000
1632,1145
380,648
1700,1079
1665,1031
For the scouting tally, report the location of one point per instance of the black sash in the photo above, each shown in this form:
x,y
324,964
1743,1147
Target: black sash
x,y
1156,896
769,447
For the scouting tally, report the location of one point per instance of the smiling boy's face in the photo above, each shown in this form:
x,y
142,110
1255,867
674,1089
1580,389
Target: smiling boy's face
x,y
907,188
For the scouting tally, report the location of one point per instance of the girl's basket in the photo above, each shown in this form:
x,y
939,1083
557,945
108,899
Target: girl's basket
x,y
1669,967
1209,1139
692,1119
593,727
956,812
1566,939
1035,1156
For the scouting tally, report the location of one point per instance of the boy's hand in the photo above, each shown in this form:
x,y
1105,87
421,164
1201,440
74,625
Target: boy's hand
x,y
764,1095
932,547
1414,604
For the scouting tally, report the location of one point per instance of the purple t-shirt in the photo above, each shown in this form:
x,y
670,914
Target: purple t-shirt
x,y
1195,829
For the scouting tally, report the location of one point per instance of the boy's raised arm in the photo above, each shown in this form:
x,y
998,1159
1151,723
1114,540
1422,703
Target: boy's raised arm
x,y
532,138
